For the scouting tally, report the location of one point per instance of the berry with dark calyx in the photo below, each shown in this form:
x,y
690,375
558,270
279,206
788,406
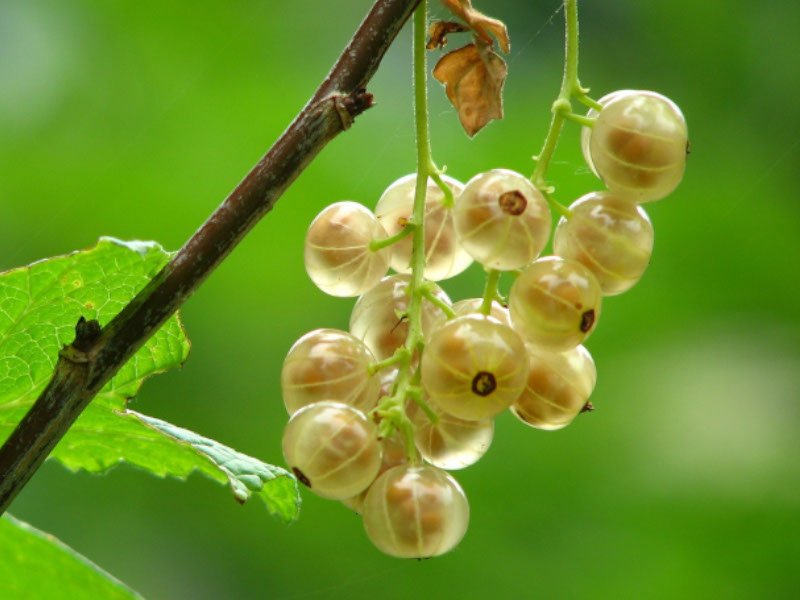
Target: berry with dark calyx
x,y
502,220
333,449
611,236
338,256
638,145
474,367
378,318
558,387
415,512
328,364
555,303
444,257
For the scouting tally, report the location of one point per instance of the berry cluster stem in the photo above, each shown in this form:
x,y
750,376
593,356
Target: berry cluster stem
x,y
562,107
417,288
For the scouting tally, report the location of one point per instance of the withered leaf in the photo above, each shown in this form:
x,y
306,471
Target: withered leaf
x,y
439,30
484,26
473,77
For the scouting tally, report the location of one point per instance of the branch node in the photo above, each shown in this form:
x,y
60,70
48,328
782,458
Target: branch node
x,y
349,106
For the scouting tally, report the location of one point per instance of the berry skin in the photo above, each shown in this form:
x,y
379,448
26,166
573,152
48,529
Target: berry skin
x,y
375,317
394,454
328,364
586,132
415,512
444,257
638,145
558,387
471,306
450,443
474,367
502,220
609,235
337,255
555,303
333,449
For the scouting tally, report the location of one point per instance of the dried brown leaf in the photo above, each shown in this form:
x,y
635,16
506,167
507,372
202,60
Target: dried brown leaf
x,y
473,77
485,27
439,30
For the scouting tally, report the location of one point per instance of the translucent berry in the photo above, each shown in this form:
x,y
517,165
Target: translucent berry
x,y
377,316
328,364
333,449
415,512
337,250
638,145
472,306
450,443
611,236
555,303
502,220
394,454
444,257
474,367
558,387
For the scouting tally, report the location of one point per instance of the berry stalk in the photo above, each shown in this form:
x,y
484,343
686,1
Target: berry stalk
x,y
562,107
392,408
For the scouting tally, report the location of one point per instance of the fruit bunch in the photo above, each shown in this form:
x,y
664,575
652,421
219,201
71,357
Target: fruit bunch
x,y
381,412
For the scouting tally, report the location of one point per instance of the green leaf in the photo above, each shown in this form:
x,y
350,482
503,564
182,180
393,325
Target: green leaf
x,y
39,307
36,565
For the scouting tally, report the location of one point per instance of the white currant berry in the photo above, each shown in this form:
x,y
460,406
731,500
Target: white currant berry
x,y
474,367
558,387
449,443
337,254
376,318
394,454
415,512
611,236
638,145
472,306
328,364
444,257
502,220
555,303
333,449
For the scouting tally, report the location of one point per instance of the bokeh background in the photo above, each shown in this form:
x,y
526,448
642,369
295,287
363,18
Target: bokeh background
x,y
134,119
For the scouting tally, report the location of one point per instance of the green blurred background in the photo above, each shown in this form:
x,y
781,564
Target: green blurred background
x,y
134,119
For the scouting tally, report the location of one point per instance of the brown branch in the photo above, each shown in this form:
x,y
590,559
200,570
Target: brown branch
x,y
84,367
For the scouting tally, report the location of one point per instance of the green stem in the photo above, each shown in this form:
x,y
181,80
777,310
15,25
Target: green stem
x,y
570,87
490,291
392,408
448,201
438,302
376,245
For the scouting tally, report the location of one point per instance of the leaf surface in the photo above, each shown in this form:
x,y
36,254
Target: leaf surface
x,y
37,566
39,307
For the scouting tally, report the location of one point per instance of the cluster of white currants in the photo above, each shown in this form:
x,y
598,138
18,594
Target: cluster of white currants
x,y
477,357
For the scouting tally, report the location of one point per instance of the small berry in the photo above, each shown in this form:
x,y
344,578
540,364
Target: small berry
x,y
638,145
474,367
444,257
328,364
555,303
333,449
611,236
415,512
337,255
502,220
